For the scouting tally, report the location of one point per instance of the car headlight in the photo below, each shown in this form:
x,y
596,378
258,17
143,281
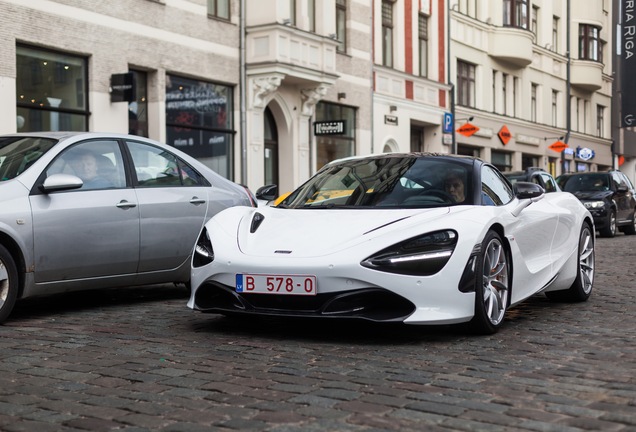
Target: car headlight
x,y
423,255
594,204
203,251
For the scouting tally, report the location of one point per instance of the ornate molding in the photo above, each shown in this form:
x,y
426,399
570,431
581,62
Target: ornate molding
x,y
262,87
311,97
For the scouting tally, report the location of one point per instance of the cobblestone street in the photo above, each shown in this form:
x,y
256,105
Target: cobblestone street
x,y
139,359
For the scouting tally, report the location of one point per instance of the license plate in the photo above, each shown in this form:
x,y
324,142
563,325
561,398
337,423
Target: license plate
x,y
276,284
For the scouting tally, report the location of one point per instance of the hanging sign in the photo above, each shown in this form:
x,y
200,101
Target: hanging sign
x,y
585,153
467,129
122,87
558,146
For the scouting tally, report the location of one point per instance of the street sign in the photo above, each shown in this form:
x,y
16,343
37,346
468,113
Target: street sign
x,y
448,123
504,135
467,129
558,146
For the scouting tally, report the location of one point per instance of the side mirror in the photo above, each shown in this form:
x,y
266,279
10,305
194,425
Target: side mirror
x,y
267,192
622,188
527,190
60,182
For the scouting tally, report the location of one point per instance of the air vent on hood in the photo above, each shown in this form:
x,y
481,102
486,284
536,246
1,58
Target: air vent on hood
x,y
256,222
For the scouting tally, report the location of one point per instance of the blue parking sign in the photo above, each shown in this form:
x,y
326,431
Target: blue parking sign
x,y
448,123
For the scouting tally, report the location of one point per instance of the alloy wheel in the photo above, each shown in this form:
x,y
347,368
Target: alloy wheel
x,y
4,283
586,260
495,281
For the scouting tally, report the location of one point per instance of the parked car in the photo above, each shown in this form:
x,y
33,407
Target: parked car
x,y
609,196
414,238
91,210
534,175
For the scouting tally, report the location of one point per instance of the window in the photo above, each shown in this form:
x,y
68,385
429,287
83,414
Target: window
x,y
516,13
468,7
589,42
533,102
51,90
494,189
199,121
341,24
515,86
219,9
155,167
387,33
534,21
528,160
600,121
504,92
494,91
331,147
555,101
423,41
138,109
311,12
465,84
555,33
501,160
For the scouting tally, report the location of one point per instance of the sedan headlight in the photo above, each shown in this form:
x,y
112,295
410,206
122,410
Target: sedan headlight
x,y
203,251
594,204
424,255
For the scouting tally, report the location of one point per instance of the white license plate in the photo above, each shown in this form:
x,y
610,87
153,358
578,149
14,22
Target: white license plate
x,y
276,284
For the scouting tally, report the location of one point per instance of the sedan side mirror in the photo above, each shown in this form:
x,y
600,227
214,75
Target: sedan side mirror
x,y
527,190
59,182
267,192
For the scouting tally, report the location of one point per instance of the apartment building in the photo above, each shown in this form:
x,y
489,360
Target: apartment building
x,y
268,91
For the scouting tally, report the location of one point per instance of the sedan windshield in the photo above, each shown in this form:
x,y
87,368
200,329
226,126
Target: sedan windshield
x,y
17,154
385,182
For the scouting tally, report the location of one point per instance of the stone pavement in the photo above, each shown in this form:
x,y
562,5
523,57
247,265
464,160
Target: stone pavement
x,y
139,360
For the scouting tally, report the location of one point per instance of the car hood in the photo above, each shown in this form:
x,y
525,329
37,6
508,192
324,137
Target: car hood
x,y
592,195
310,233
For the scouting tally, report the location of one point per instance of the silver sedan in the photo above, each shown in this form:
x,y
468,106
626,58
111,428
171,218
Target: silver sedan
x,y
86,210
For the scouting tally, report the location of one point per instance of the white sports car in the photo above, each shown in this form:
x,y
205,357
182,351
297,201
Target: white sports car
x,y
413,238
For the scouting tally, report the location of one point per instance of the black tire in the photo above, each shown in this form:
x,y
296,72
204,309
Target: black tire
x,y
610,227
582,286
8,283
492,286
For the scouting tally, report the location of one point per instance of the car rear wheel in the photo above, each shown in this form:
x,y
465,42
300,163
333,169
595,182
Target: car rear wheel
x,y
8,283
492,288
610,227
582,286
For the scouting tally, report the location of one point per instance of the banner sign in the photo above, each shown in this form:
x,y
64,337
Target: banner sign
x,y
628,63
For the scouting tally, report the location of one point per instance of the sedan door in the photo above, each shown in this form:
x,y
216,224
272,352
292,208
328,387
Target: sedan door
x,y
173,204
86,233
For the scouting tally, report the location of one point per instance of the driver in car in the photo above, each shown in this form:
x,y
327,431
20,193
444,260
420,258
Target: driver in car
x,y
454,186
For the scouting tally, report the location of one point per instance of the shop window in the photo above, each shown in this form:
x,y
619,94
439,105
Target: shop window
x,y
199,121
51,90
528,161
331,147
138,109
502,160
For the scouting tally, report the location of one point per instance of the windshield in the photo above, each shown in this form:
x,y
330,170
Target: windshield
x,y
17,154
385,182
585,183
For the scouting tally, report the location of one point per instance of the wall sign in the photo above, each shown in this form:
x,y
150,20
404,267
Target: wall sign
x,y
122,87
335,127
504,135
391,120
585,153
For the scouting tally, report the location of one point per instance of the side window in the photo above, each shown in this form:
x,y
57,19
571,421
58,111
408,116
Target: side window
x,y
494,189
617,180
98,163
156,167
550,185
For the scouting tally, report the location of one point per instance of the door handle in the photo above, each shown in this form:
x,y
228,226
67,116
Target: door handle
x,y
123,204
196,200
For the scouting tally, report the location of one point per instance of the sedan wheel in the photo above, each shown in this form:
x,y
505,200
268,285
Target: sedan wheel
x,y
492,288
582,286
8,283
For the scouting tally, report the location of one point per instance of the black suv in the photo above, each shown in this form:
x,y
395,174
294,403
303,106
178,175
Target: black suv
x,y
534,175
609,196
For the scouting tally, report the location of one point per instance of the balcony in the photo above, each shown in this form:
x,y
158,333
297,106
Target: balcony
x,y
586,75
512,45
300,56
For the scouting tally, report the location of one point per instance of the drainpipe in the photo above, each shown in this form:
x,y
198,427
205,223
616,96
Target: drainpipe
x,y
568,107
242,90
451,92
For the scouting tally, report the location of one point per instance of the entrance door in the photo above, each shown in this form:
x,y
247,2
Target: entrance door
x,y
417,139
271,149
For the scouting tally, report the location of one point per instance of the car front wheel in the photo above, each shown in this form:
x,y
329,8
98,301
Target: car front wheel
x,y
8,283
492,288
631,228
582,286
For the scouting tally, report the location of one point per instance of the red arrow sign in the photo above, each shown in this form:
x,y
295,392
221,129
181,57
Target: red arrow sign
x,y
558,146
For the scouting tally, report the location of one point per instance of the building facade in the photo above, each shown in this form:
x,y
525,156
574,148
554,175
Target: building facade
x,y
268,91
